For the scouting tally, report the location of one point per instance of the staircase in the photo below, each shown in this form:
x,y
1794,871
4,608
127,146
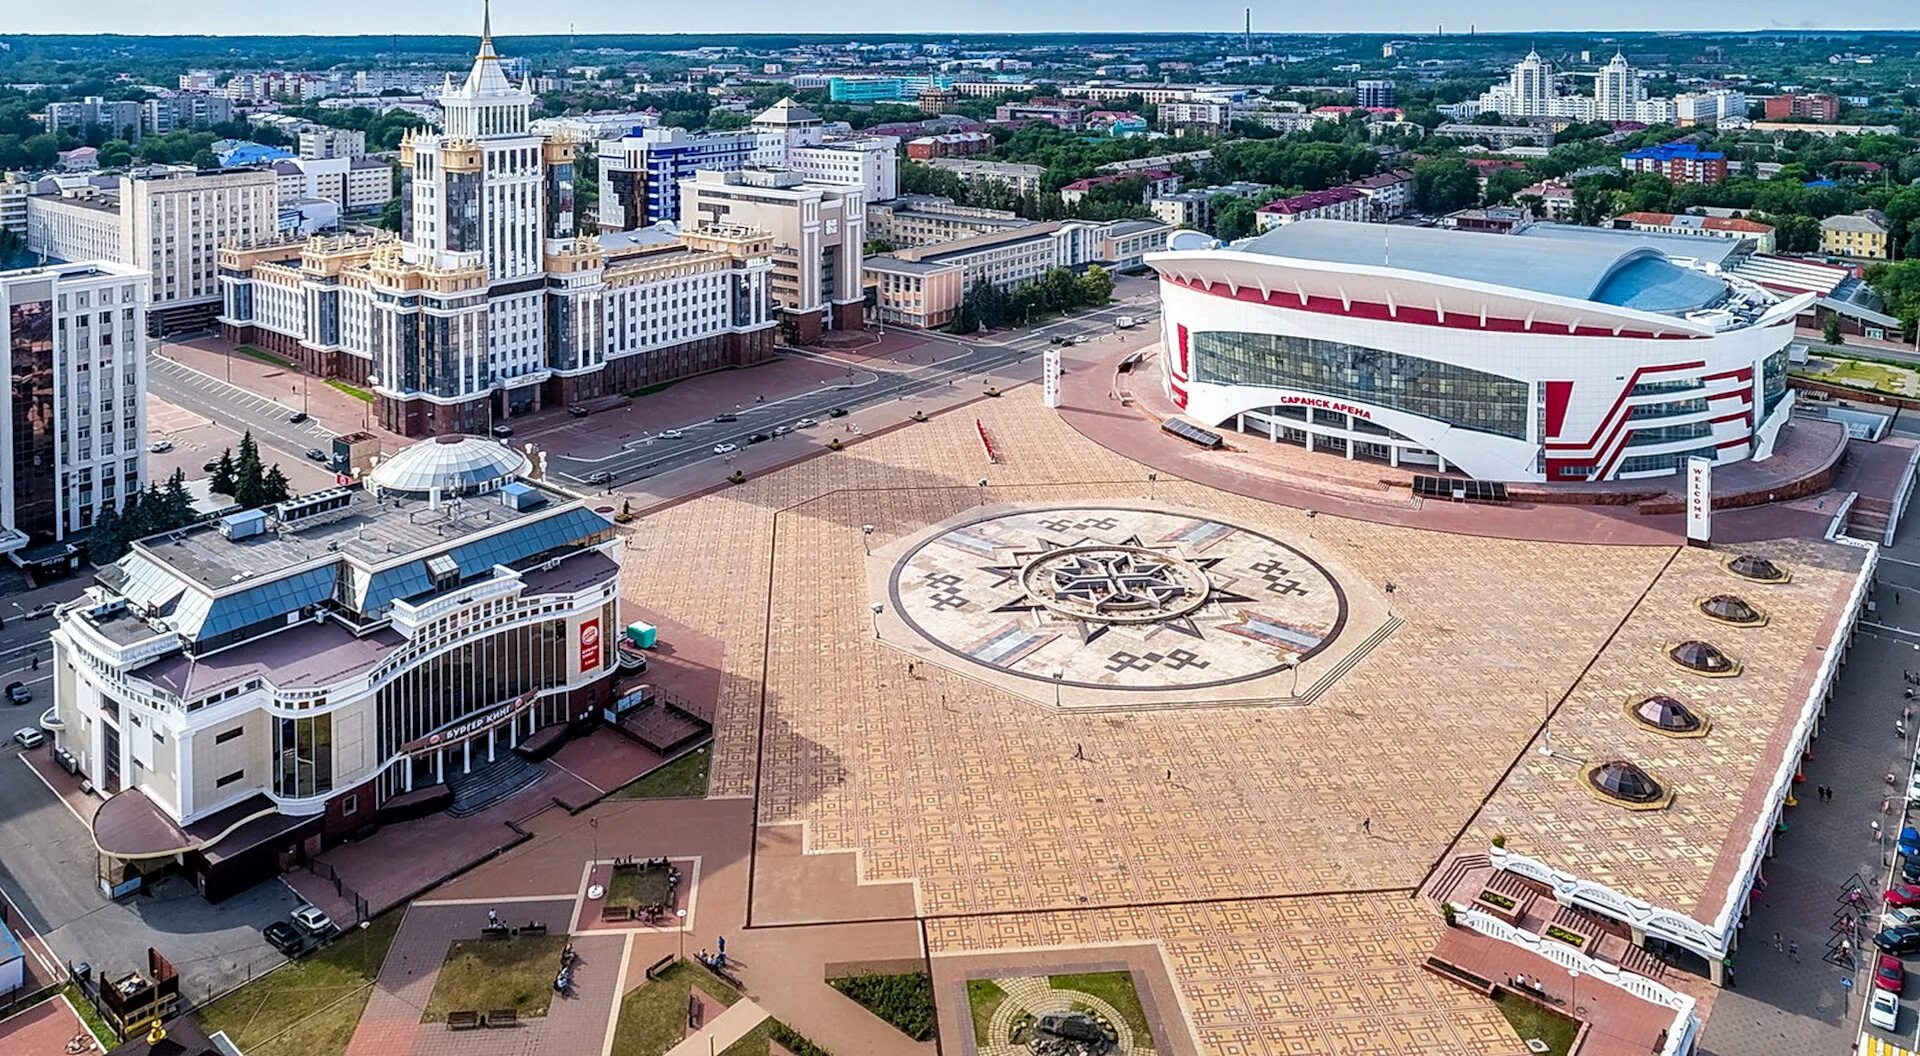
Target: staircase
x,y
1868,518
481,788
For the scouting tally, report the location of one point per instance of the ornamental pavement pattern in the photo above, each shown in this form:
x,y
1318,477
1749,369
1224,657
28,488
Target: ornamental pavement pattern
x,y
1119,824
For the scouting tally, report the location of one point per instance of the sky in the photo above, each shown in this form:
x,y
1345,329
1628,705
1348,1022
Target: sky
x,y
844,16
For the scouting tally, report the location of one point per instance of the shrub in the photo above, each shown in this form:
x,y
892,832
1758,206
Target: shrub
x,y
1499,839
738,477
905,1001
834,444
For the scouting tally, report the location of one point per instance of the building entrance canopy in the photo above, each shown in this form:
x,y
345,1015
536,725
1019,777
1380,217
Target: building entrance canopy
x,y
453,733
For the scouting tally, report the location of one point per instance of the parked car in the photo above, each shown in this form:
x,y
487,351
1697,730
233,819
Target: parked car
x,y
1910,869
39,612
758,438
209,465
578,411
28,737
1900,895
725,449
1889,974
284,937
1909,840
316,454
18,693
160,447
502,431
726,417
805,423
297,417
1884,1011
313,920
837,412
600,477
782,430
1125,322
671,434
1056,340
1899,940
1900,918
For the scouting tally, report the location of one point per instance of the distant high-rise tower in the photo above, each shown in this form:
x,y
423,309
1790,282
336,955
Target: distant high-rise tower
x,y
1249,31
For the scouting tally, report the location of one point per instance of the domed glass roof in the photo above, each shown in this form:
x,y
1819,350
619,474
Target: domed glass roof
x,y
457,465
1621,780
1730,608
1666,715
1700,656
1758,568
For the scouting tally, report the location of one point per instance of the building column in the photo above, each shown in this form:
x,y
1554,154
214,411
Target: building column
x,y
1717,971
492,738
1443,461
440,766
1393,455
466,756
1309,435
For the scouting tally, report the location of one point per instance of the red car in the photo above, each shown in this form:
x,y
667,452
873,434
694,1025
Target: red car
x,y
1890,975
1901,895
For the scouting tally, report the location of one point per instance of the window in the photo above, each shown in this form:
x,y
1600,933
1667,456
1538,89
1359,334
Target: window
x,y
230,779
228,735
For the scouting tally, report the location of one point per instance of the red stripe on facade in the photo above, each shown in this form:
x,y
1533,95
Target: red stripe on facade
x,y
1736,394
1412,314
1742,374
1619,402
1559,395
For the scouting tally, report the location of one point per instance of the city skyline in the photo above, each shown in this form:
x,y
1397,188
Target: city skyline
x,y
230,17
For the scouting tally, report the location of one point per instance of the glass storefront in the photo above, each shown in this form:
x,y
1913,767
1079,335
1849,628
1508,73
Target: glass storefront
x,y
35,488
305,747
1459,396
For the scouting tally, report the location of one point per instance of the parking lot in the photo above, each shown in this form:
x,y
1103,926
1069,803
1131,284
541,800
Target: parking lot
x,y
47,868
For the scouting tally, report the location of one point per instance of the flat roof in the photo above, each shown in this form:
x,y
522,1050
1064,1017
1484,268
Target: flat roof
x,y
1605,270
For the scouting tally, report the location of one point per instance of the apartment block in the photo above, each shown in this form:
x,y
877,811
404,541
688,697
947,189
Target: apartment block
x,y
925,220
320,143
818,234
1022,180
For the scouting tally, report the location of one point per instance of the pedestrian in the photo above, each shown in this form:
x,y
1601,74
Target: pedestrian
x,y
721,946
1875,825
493,918
1896,597
909,669
1776,941
1366,826
1793,951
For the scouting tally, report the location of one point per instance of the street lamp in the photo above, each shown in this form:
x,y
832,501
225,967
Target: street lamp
x,y
1151,477
682,915
866,533
1546,726
1058,674
983,491
1390,589
876,607
1292,663
1311,514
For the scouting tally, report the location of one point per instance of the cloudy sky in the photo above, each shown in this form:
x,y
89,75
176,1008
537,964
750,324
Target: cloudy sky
x,y
841,16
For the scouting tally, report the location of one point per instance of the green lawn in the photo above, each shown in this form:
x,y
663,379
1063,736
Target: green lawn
x,y
684,778
101,1032
754,1042
653,1017
904,1000
1862,374
354,391
645,886
1116,989
1535,1021
309,1007
481,975
985,997
264,356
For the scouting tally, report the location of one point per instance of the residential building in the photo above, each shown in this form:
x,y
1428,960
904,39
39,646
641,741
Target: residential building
x,y
487,305
1195,208
1759,234
923,287
79,159
1494,219
357,185
1119,124
169,222
312,666
1022,180
1813,106
1556,198
818,233
1864,235
1370,94
1532,89
14,192
867,89
1497,136
1207,117
925,220
119,119
1709,108
1388,194
951,145
73,340
989,89
1056,112
171,113
319,143
1334,203
1828,131
596,126
936,101
1679,162
1122,245
1155,182
1157,161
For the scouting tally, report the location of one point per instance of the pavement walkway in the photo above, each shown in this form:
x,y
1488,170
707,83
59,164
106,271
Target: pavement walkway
x,y
722,1031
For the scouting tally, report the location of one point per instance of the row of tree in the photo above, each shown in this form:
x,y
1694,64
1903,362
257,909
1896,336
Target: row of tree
x,y
141,514
247,479
1058,290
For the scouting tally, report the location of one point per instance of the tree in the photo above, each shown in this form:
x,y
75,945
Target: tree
x,y
1096,286
389,218
224,478
249,488
1830,330
1441,185
1234,219
274,488
179,504
1592,202
116,153
108,541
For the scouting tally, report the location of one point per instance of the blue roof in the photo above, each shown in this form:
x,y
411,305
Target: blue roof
x,y
252,154
1820,183
1627,273
1669,151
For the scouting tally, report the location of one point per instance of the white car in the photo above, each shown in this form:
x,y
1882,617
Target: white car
x,y
782,430
1899,918
725,449
1884,1011
28,737
671,434
160,447
805,423
313,919
600,477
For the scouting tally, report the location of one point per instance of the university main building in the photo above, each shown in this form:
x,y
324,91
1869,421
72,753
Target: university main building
x,y
489,304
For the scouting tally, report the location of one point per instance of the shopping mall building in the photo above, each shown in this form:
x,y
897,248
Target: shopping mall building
x,y
249,691
1552,354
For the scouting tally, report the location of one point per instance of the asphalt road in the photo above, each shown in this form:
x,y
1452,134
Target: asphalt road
x,y
235,407
649,455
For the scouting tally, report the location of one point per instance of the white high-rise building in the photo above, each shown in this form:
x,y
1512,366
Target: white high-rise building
x,y
1616,91
1533,90
73,337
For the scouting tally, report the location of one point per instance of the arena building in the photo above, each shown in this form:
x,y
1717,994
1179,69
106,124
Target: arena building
x,y
1552,354
248,691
